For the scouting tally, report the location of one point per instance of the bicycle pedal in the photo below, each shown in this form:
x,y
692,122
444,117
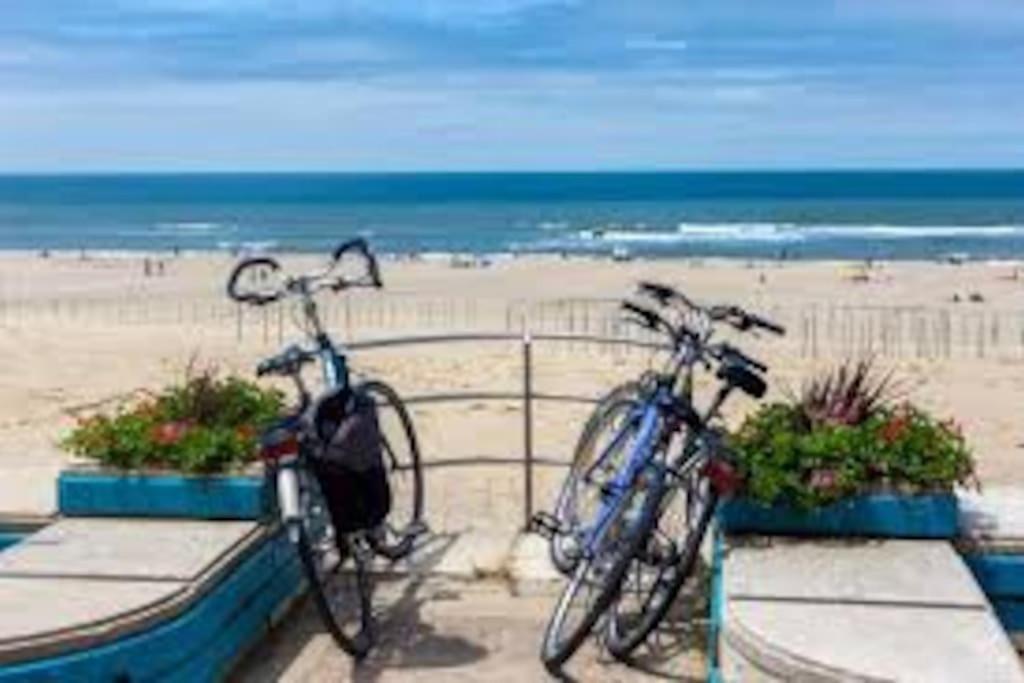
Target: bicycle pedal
x,y
545,524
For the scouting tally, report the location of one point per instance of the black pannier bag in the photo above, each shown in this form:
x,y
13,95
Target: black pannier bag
x,y
350,463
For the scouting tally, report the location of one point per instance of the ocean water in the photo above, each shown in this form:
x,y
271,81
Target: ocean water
x,y
864,214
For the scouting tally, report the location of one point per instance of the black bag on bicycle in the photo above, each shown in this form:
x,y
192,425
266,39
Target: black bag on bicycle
x,y
350,465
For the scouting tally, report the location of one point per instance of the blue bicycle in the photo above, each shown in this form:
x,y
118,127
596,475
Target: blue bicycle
x,y
606,526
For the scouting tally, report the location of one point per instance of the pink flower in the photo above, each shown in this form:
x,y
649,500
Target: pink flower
x,y
823,479
169,433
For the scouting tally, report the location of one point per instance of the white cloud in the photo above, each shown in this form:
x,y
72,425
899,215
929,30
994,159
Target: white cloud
x,y
657,45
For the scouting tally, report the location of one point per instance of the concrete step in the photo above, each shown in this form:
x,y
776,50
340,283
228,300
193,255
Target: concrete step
x,y
854,610
81,582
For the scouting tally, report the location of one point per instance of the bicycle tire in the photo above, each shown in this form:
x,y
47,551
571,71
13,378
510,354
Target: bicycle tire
x,y
358,643
405,474
555,650
624,633
559,546
579,479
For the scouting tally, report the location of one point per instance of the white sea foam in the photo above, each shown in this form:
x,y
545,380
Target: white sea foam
x,y
915,231
792,232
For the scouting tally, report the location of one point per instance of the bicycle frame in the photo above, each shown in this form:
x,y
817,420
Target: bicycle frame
x,y
644,450
640,456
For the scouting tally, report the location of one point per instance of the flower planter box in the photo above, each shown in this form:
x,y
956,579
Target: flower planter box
x,y
107,493
880,515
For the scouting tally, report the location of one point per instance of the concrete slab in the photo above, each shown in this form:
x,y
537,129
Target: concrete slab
x,y
883,571
27,489
475,555
819,641
46,607
530,565
136,549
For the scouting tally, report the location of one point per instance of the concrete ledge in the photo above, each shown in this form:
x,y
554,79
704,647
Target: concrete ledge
x,y
166,629
91,493
855,611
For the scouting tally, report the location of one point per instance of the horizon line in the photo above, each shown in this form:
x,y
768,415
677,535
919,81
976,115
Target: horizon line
x,y
494,171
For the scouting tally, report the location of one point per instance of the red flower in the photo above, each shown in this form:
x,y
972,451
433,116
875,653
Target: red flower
x,y
169,433
894,429
245,432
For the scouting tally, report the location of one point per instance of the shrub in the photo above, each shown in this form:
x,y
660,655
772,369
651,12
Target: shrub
x,y
845,439
205,424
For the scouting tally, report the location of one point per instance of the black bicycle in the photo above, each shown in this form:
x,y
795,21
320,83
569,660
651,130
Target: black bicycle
x,y
345,464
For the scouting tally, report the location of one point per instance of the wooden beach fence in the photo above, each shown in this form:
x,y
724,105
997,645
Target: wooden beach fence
x,y
816,330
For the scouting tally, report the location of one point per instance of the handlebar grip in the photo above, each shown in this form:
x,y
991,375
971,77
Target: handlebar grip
x,y
266,367
766,324
663,293
646,317
241,267
359,244
729,350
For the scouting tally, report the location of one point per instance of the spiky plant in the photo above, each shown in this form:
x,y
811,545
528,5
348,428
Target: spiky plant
x,y
849,394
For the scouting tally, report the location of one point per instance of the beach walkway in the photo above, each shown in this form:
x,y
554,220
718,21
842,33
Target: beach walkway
x,y
471,606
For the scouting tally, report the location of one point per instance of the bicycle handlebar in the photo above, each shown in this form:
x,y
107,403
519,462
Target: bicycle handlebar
x,y
359,245
287,362
664,294
744,321
723,352
735,316
307,284
653,320
243,265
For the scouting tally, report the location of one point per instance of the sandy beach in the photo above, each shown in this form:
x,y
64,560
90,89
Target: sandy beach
x,y
80,334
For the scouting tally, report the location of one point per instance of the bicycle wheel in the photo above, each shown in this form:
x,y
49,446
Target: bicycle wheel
x,y
342,597
602,450
596,580
659,572
404,522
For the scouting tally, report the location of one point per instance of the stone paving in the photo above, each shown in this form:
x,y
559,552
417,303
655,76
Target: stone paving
x,y
440,629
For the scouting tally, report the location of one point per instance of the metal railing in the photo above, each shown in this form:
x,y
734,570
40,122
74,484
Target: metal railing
x,y
526,395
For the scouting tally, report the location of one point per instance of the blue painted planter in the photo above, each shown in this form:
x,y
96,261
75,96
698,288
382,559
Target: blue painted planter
x,y
879,515
200,644
1001,577
100,494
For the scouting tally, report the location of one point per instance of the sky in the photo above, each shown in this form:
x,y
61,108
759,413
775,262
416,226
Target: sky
x,y
454,85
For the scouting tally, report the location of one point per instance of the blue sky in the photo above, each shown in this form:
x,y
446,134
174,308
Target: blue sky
x,y
509,84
